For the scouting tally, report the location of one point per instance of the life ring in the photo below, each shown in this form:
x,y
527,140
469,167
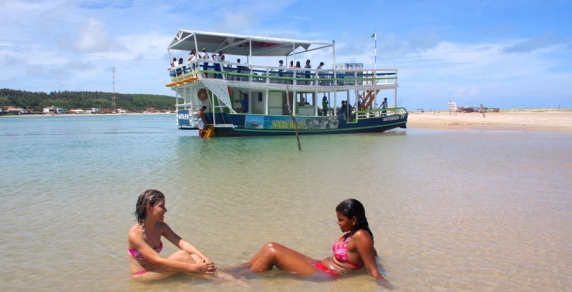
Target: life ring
x,y
202,94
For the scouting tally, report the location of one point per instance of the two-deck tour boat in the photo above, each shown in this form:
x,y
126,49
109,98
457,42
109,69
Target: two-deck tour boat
x,y
258,96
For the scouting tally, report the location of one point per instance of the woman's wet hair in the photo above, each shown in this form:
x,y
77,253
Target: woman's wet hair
x,y
147,197
352,207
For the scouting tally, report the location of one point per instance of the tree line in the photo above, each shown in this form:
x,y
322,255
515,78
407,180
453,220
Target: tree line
x,y
84,100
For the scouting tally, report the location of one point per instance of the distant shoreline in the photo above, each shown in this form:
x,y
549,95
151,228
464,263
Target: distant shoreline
x,y
532,120
80,115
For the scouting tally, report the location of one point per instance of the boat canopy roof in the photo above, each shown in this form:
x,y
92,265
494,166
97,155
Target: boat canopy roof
x,y
233,44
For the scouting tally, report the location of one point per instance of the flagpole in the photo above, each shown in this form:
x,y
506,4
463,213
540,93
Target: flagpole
x,y
375,37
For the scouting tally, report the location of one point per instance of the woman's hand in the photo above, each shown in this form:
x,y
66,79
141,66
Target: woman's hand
x,y
204,268
383,282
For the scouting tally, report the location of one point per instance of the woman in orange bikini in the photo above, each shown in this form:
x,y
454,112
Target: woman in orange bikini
x,y
144,244
352,251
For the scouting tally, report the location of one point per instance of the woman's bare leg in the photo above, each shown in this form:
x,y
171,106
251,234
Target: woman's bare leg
x,y
160,274
286,259
181,256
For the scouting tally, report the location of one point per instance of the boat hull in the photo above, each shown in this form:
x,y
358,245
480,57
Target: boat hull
x,y
268,125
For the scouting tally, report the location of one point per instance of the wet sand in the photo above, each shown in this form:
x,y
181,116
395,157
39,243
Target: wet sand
x,y
521,120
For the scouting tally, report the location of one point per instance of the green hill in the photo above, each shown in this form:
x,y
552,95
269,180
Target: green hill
x,y
84,100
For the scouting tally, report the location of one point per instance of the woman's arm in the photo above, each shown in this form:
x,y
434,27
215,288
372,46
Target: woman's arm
x,y
183,244
365,249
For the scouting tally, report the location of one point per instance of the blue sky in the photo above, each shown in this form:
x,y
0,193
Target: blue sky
x,y
507,54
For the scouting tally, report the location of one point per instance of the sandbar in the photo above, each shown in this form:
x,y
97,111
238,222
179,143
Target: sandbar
x,y
535,120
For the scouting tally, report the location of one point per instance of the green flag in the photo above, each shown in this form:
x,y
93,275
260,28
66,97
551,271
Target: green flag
x,y
373,35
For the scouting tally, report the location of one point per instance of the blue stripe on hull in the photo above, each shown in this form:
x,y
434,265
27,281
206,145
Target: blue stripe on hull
x,y
362,126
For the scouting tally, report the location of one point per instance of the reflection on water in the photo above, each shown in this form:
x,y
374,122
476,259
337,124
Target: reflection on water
x,y
450,210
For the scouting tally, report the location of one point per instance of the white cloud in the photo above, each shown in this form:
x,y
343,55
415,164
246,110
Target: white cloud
x,y
11,61
547,40
78,65
464,92
35,70
92,38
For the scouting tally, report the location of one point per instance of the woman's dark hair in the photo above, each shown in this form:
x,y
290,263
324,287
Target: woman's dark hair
x,y
352,207
147,197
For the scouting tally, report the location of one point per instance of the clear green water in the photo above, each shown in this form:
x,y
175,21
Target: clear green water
x,y
450,210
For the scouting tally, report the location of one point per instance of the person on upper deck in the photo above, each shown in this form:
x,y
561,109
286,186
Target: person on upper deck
x,y
281,65
351,252
172,72
204,55
192,57
308,73
218,58
320,75
182,69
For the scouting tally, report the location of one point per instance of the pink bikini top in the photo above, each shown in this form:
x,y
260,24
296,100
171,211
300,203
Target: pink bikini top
x,y
135,253
341,251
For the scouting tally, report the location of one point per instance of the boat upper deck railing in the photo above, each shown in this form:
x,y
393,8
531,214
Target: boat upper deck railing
x,y
362,77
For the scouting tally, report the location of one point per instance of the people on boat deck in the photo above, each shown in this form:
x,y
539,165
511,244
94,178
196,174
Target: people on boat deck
x,y
172,72
320,75
218,58
182,69
144,244
325,106
192,57
344,110
238,67
202,120
298,64
291,64
351,252
244,103
204,55
384,105
308,72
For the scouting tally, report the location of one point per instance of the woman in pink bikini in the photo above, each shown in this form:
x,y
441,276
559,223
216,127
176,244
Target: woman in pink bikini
x,y
144,244
352,251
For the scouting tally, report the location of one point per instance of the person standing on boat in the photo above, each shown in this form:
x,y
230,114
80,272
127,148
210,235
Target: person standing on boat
x,y
351,252
384,105
280,71
183,69
325,106
202,121
204,55
172,72
320,75
192,57
308,66
244,103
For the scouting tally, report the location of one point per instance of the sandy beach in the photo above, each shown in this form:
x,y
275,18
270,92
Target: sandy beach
x,y
522,120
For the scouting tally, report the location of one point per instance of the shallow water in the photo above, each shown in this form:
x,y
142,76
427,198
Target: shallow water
x,y
450,210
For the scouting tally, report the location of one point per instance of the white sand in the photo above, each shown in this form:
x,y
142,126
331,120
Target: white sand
x,y
529,120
